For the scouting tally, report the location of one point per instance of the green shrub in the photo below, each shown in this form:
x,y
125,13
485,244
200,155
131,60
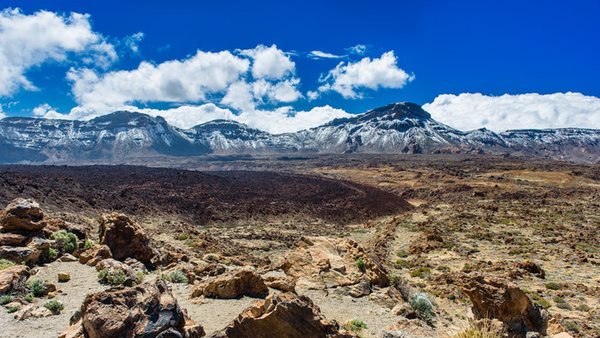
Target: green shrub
x,y
5,299
12,309
360,264
401,264
29,298
139,277
66,241
402,253
421,272
355,325
182,237
572,326
480,329
423,307
55,306
52,254
561,303
177,277
37,287
553,286
88,244
5,264
583,308
112,277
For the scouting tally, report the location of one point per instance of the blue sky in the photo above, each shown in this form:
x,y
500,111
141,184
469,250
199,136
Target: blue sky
x,y
544,49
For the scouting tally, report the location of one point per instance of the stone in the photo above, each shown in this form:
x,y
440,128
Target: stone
x,y
562,335
32,311
13,277
363,288
19,254
125,238
507,303
10,239
14,305
63,277
148,310
68,258
113,265
285,284
281,315
235,285
22,214
94,255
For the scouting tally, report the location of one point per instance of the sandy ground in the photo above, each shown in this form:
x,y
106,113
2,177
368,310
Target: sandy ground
x,y
71,294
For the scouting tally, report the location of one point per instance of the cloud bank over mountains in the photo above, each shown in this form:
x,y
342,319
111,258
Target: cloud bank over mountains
x,y
258,86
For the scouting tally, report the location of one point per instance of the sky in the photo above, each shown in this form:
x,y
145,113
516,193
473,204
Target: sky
x,y
283,66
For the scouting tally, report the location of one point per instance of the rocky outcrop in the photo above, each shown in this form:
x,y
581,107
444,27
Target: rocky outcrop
x,y
234,285
323,262
125,238
507,303
148,310
428,241
13,277
22,214
282,315
94,255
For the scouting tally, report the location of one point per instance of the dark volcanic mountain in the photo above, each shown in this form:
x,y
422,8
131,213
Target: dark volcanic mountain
x,y
395,128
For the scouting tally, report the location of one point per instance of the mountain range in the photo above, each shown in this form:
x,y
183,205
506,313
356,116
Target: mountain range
x,y
395,128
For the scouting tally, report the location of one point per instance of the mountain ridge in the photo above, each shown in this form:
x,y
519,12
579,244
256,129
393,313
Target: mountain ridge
x,y
395,128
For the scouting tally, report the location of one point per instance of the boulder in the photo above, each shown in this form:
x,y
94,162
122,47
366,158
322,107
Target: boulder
x,y
125,238
67,258
22,214
13,277
63,277
94,255
281,315
32,311
323,262
11,239
148,310
281,283
507,303
428,241
234,285
19,254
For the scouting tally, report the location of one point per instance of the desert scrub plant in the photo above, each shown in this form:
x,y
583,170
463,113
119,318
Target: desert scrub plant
x,y
561,303
176,277
111,277
539,300
572,326
5,299
552,286
67,241
421,272
360,264
401,264
355,325
5,264
52,254
12,309
423,307
402,253
29,298
139,277
480,329
88,244
54,306
37,287
182,237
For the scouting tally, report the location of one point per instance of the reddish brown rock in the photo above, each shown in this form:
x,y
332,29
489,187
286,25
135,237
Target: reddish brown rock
x,y
282,315
125,238
22,214
284,283
11,239
234,285
148,310
94,255
428,241
11,278
507,303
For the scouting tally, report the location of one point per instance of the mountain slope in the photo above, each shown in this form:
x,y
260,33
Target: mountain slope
x,y
395,128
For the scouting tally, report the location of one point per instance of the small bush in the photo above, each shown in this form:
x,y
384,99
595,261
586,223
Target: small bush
x,y
360,264
66,241
52,254
481,329
355,325
423,307
177,277
553,286
583,308
37,287
402,253
572,326
5,299
182,237
422,272
55,306
5,264
139,277
29,298
111,277
561,303
401,264
88,244
12,309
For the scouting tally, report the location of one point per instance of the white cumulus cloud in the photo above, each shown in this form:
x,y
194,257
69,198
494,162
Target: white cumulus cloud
x,y
522,111
44,110
270,62
30,40
349,78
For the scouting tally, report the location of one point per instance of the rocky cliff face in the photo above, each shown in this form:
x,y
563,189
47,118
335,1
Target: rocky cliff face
x,y
395,128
